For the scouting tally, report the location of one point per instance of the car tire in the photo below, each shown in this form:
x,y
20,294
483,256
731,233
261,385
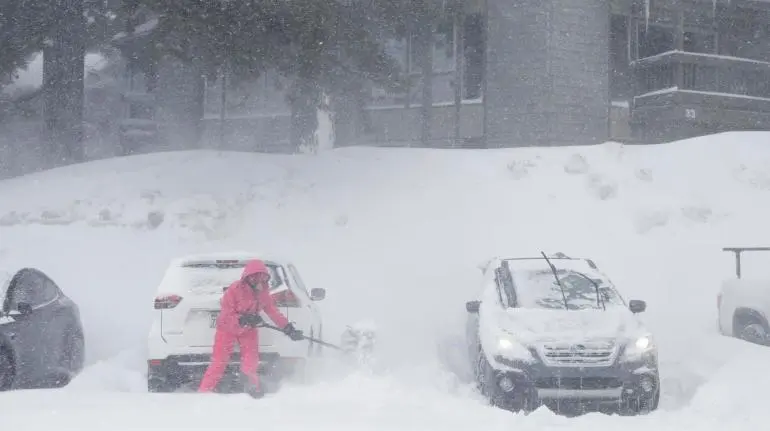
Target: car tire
x,y
641,405
159,385
754,331
7,369
645,404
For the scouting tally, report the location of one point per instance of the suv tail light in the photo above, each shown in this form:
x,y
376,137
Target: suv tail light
x,y
167,301
286,298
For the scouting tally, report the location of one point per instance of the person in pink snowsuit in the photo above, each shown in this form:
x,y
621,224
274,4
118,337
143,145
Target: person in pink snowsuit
x,y
238,321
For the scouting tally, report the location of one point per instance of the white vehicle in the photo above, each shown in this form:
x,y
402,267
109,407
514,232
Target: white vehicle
x,y
743,304
556,332
186,307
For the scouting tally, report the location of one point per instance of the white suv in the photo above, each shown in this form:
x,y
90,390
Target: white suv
x,y
743,304
557,332
187,304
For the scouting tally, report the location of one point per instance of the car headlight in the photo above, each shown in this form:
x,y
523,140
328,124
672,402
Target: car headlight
x,y
639,348
510,348
505,344
643,343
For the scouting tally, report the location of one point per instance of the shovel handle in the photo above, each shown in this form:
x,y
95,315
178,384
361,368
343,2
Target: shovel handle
x,y
321,342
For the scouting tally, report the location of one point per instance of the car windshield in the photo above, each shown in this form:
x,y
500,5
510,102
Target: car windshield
x,y
539,289
213,277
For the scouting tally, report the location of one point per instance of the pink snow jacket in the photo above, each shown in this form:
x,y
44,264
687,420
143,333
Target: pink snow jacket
x,y
240,298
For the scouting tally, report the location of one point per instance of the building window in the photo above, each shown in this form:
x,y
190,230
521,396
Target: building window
x,y
700,41
474,56
445,52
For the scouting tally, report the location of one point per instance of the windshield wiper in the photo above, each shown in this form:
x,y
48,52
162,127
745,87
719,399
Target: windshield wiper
x,y
556,276
599,298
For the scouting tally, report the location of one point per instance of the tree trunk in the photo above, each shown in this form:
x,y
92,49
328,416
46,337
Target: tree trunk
x,y
304,99
63,79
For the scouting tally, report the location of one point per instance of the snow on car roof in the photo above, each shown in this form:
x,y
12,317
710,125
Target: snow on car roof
x,y
536,285
180,276
226,255
537,264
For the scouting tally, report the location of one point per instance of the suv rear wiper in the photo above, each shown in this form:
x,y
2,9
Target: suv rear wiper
x,y
599,298
556,276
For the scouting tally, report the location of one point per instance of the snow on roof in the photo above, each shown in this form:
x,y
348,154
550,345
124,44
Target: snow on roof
x,y
203,281
140,30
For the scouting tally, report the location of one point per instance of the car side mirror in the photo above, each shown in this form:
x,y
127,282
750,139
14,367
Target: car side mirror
x,y
637,306
24,308
472,306
317,294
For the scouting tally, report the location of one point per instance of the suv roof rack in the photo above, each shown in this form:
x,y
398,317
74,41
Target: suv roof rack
x,y
559,256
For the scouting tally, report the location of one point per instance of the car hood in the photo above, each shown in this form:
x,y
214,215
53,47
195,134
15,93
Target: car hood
x,y
533,327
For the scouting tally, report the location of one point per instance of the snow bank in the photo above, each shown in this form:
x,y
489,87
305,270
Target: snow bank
x,y
394,235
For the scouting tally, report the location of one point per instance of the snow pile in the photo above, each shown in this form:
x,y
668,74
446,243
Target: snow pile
x,y
394,235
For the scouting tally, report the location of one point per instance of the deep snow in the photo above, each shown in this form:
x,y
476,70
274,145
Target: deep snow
x,y
395,235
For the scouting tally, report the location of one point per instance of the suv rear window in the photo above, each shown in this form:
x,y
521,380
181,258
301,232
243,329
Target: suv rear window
x,y
539,289
215,276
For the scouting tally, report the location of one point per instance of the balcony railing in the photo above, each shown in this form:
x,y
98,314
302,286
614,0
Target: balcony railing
x,y
707,73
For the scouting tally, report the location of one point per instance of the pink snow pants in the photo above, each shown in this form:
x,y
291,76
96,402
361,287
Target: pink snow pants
x,y
224,342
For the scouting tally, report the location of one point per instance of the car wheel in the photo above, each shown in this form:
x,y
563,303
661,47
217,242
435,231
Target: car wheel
x,y
158,381
754,332
156,385
7,370
646,403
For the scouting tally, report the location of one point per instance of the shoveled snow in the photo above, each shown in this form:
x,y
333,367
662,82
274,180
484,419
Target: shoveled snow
x,y
394,235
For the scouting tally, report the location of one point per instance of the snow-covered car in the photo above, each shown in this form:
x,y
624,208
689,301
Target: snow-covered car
x,y
743,305
41,336
186,307
556,332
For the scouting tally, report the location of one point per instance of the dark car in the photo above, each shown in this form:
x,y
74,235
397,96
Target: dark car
x,y
41,336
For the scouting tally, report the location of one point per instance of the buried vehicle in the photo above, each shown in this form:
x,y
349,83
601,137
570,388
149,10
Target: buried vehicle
x,y
743,304
187,304
556,332
41,335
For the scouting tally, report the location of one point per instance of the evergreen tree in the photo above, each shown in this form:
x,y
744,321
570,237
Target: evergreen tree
x,y
323,45
24,25
63,30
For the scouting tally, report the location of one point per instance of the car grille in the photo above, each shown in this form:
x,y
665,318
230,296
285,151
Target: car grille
x,y
578,383
586,354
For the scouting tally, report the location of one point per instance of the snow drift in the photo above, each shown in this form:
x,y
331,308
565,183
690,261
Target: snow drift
x,y
395,236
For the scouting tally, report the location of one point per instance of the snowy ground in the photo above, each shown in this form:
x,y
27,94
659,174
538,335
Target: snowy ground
x,y
395,236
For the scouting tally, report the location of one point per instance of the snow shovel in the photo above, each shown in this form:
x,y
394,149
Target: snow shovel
x,y
354,340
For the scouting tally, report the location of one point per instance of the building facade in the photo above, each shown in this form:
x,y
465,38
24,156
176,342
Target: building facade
x,y
513,73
